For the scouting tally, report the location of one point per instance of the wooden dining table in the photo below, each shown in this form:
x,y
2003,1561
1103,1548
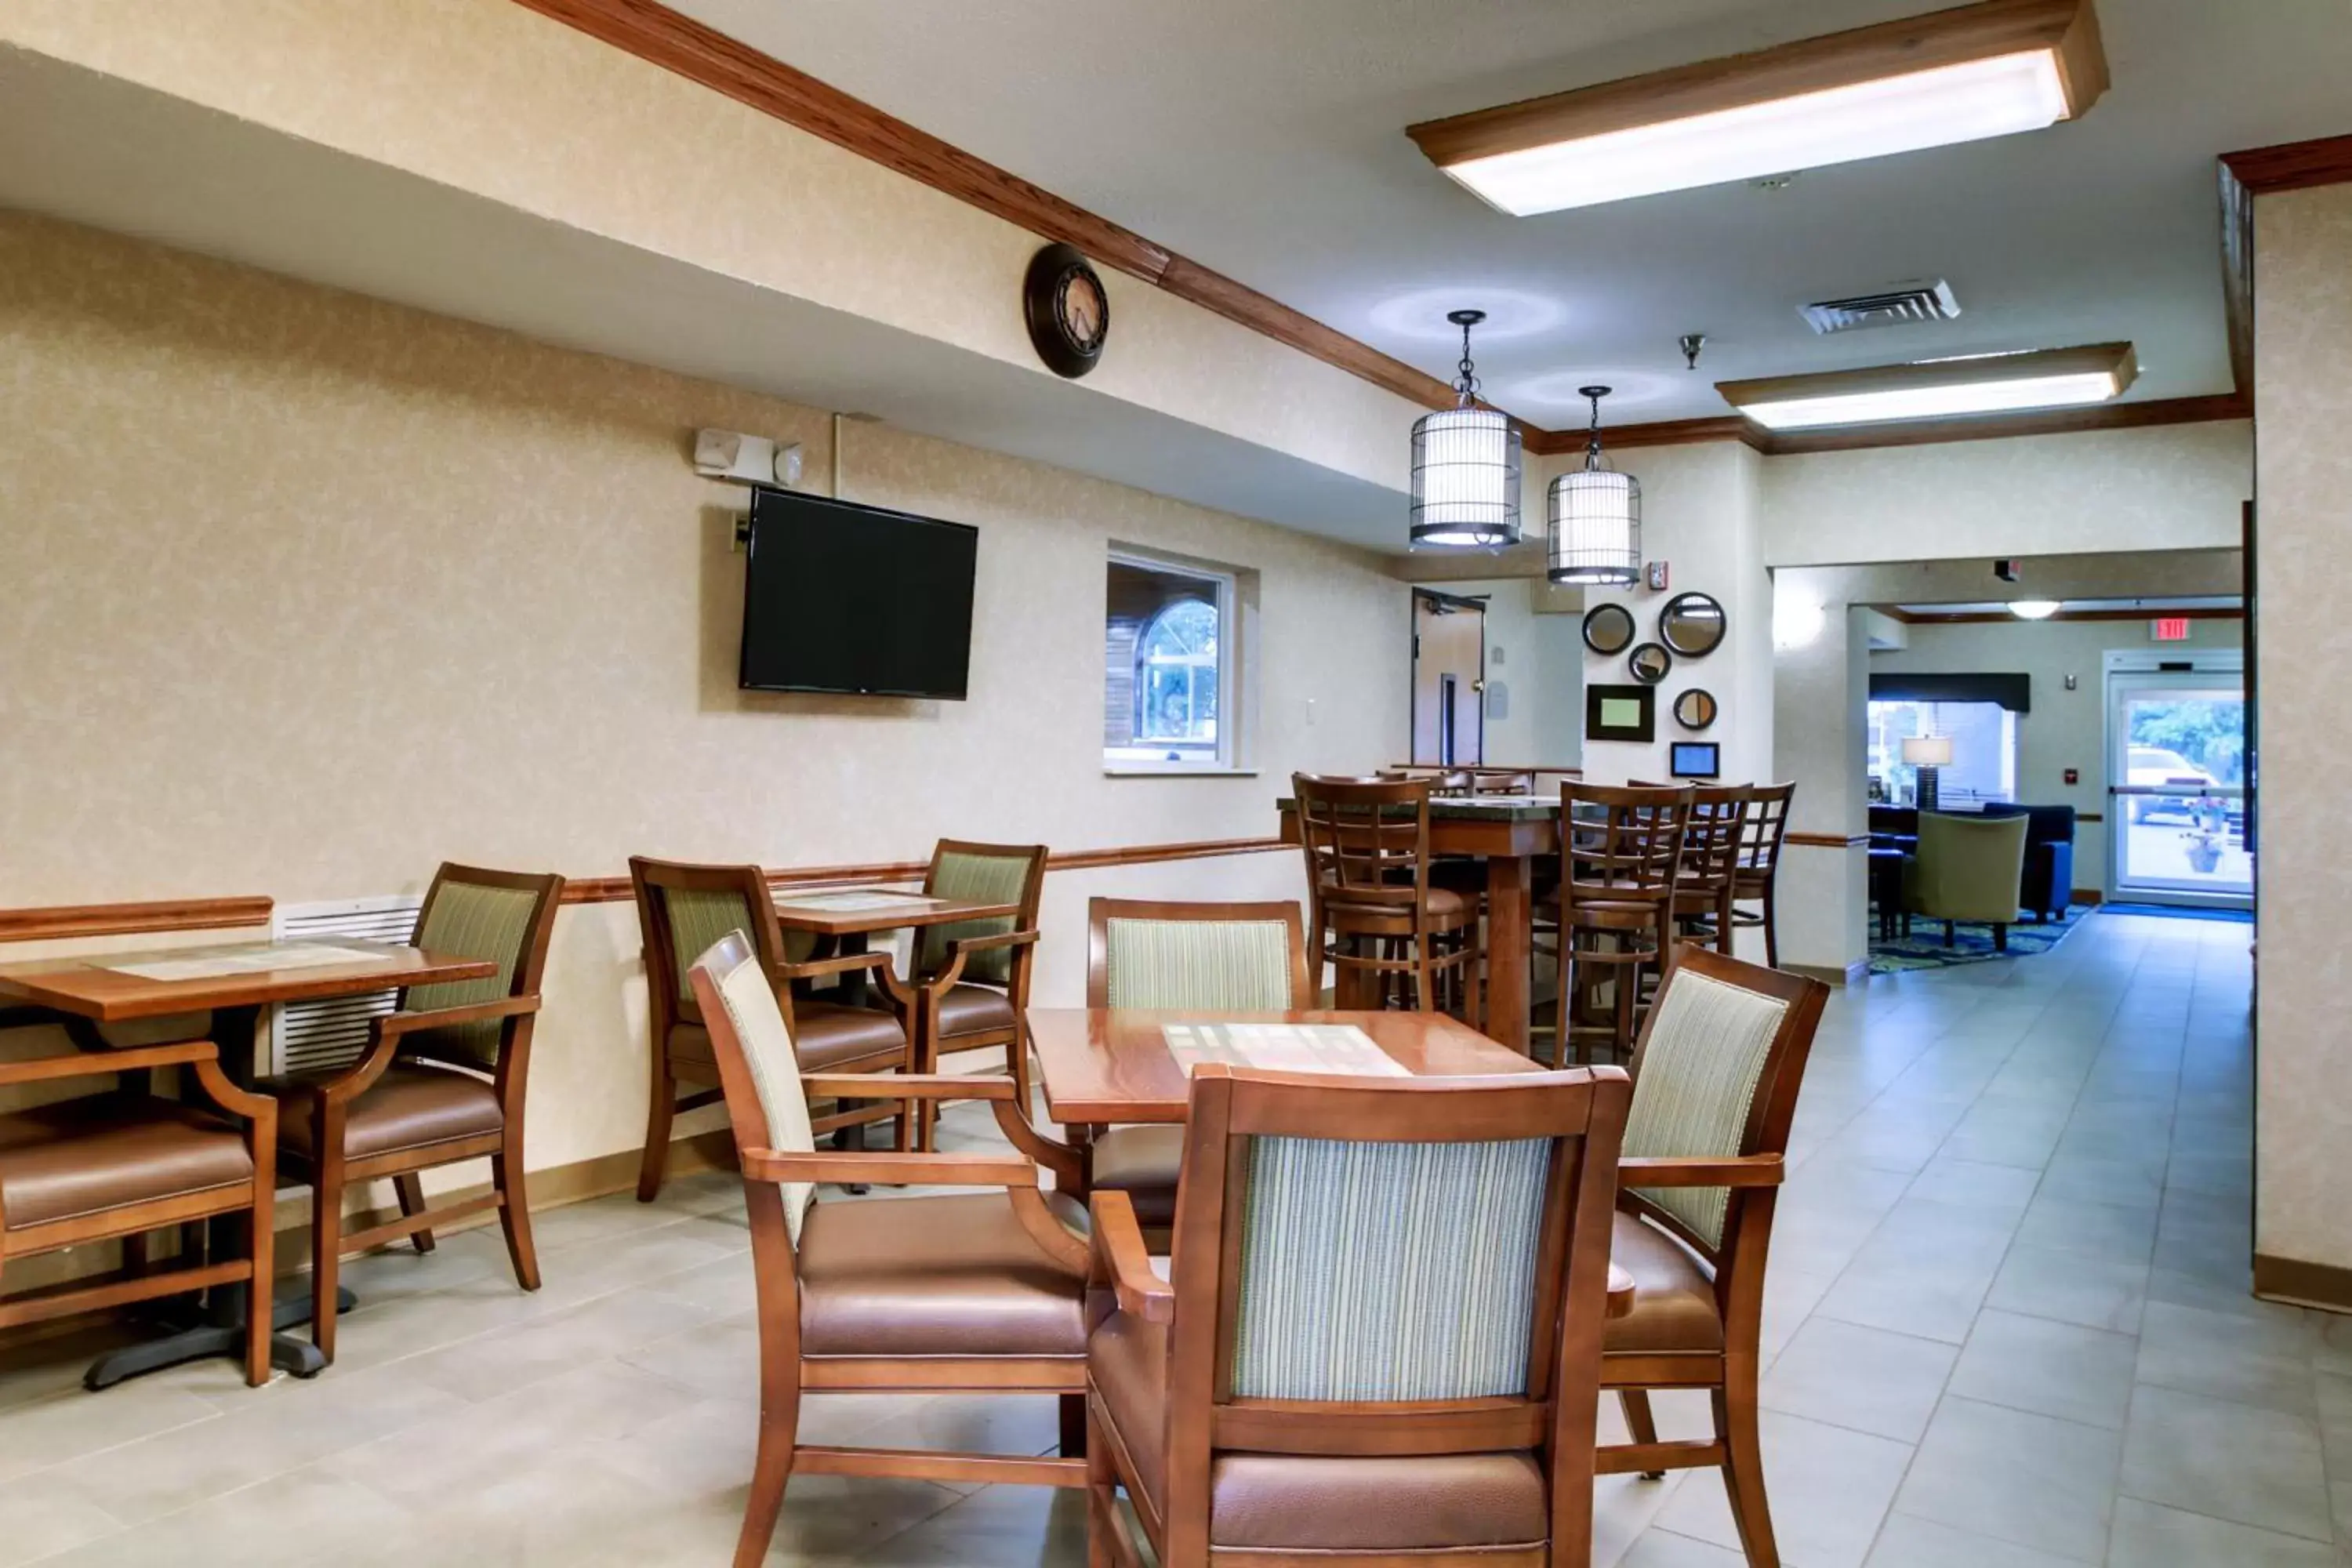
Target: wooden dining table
x,y
1509,833
224,992
1105,1067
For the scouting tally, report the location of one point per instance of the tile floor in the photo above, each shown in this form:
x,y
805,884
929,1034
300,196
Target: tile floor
x,y
2009,1325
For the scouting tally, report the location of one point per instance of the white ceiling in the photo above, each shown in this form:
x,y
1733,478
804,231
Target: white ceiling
x,y
1266,141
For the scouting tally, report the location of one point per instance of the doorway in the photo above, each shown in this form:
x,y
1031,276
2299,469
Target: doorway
x,y
2177,781
1449,681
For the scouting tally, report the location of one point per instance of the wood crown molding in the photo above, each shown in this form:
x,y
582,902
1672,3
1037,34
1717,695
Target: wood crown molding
x,y
2241,177
128,920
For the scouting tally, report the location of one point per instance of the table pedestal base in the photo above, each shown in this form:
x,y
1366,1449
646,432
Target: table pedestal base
x,y
217,1328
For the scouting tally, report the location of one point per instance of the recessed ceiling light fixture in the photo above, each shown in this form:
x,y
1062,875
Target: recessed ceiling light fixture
x,y
1936,388
1988,70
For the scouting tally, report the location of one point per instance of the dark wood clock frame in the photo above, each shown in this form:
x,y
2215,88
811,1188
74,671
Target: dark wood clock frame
x,y
1051,271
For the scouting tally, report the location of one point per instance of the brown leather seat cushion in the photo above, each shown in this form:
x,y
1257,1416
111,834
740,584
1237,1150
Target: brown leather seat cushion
x,y
1447,909
946,1276
1143,1163
1306,1504
87,1156
691,1043
410,1107
826,1034
1673,1293
969,1009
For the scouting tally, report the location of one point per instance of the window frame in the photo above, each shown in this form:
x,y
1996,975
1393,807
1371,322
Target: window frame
x,y
1227,757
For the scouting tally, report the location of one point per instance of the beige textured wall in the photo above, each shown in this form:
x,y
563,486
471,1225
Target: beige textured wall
x,y
2302,258
2172,486
486,97
308,591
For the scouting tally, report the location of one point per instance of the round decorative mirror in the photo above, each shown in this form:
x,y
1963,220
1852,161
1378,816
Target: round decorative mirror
x,y
1695,708
1692,624
1649,663
1608,629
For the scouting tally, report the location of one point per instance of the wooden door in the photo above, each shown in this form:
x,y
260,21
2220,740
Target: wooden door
x,y
1449,681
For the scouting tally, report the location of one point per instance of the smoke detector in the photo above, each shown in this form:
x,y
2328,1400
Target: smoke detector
x,y
1896,305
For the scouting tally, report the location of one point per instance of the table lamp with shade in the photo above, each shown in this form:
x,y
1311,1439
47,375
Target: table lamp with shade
x,y
1926,753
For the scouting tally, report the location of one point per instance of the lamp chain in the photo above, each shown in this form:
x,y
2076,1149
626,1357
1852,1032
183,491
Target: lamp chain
x,y
1465,383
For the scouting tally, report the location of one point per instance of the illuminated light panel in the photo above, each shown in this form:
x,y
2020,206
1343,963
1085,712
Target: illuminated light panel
x,y
1935,389
2034,609
1970,102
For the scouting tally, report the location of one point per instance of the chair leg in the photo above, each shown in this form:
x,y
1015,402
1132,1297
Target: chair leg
x,y
658,1114
410,1189
1073,1426
779,1431
1771,932
2000,937
1016,1059
1743,1473
1641,1423
1952,933
514,1215
1102,1507
260,1319
326,1249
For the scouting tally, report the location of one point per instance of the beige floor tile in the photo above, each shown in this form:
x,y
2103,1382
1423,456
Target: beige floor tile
x,y
69,1423
1002,1527
2251,1359
2226,1460
2147,1536
1866,1379
300,1519
39,1518
1663,1549
2034,1480
506,1359
2122,1232
2048,1367
2049,1282
1829,1488
1905,1541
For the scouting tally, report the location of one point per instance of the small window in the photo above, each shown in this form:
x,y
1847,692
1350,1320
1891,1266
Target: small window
x,y
1984,750
1167,667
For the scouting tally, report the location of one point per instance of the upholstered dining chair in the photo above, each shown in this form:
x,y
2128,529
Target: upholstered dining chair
x,y
681,911
443,1080
970,981
122,1166
978,1291
1432,1402
1716,1077
1232,958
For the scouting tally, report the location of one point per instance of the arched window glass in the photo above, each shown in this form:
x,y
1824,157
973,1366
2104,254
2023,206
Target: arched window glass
x,y
1176,675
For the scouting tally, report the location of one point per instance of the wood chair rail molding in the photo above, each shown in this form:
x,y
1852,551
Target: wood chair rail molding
x,y
215,914
1827,840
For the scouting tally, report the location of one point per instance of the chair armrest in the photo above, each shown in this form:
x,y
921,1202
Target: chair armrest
x,y
849,1167
904,1086
385,1033
107,1063
1731,1171
962,947
1121,1262
840,964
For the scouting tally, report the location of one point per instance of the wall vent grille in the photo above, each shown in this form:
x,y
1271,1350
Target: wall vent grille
x,y
1892,307
313,1036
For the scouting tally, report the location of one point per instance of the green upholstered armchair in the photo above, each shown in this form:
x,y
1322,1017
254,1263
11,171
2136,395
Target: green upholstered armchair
x,y
970,981
1229,958
1967,869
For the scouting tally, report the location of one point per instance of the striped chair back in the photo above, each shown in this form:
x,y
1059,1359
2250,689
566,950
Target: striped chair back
x,y
505,917
1351,1242
1233,958
987,873
685,910
758,1067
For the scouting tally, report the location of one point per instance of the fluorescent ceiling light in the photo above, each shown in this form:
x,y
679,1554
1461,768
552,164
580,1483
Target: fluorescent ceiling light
x,y
2034,609
1963,75
1932,389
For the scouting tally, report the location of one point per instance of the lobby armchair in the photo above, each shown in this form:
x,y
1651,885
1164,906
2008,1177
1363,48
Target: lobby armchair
x,y
1968,869
1432,1405
980,1292
969,987
2048,885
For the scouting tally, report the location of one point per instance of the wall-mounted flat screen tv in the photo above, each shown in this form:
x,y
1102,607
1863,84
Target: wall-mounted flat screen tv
x,y
842,598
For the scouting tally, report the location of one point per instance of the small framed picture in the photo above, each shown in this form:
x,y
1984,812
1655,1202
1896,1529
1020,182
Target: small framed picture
x,y
1696,760
1621,713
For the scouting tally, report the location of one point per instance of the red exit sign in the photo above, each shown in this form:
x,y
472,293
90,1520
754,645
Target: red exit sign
x,y
2169,628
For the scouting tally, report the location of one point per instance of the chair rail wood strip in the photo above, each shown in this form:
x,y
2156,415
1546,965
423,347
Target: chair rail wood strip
x,y
1827,840
125,920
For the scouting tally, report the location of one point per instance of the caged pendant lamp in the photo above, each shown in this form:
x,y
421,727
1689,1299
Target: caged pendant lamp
x,y
1596,518
1466,467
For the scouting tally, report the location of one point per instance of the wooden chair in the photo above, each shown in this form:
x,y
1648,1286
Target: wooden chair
x,y
975,1292
1620,858
1714,1087
970,981
1502,780
1433,1404
1392,935
1758,880
1711,851
442,1080
681,911
126,1164
1219,958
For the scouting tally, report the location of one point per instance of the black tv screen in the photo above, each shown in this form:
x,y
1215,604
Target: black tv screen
x,y
842,598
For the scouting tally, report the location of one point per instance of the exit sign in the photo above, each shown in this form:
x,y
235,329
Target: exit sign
x,y
2169,628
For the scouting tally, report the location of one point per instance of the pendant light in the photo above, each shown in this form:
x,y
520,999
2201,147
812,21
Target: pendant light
x,y
1466,467
1596,518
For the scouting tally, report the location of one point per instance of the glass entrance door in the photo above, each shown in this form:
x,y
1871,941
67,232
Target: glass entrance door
x,y
2175,787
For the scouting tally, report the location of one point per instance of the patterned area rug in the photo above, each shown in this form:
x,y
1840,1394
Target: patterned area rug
x,y
1971,942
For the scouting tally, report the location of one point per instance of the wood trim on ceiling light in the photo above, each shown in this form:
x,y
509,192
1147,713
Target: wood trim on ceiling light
x,y
1990,618
1827,840
2069,28
677,42
130,920
2143,414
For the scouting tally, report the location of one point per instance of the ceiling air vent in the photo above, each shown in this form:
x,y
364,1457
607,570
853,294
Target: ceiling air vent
x,y
1892,307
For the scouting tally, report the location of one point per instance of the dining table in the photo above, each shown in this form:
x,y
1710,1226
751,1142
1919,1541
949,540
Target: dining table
x,y
222,993
1510,833
1105,1067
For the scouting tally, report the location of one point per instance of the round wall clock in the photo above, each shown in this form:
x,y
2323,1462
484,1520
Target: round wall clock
x,y
1068,309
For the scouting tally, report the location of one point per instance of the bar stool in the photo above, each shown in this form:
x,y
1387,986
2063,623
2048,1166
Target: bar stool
x,y
1711,850
1621,854
1759,872
1393,935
